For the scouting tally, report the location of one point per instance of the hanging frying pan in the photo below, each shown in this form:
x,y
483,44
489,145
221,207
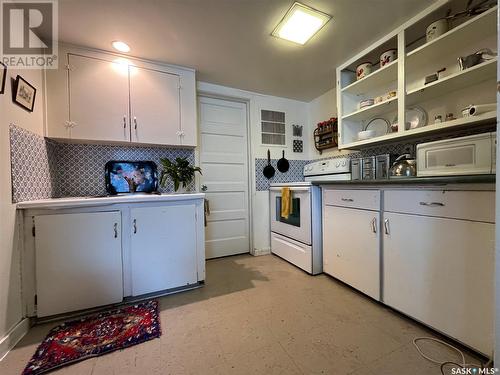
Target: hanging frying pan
x,y
268,169
283,164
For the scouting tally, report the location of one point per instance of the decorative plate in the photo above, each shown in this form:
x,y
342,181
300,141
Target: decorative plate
x,y
380,125
416,117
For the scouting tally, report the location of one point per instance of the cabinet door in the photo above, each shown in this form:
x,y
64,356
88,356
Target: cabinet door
x,y
98,97
155,107
440,271
163,248
351,248
78,261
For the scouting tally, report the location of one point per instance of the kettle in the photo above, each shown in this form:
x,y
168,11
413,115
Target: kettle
x,y
403,166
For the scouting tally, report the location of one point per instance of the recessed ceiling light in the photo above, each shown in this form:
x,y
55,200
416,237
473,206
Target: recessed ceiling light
x,y
120,46
300,23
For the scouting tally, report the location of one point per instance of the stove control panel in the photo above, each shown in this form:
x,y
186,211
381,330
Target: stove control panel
x,y
330,166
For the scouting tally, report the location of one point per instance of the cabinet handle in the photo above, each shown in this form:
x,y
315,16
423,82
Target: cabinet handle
x,y
432,204
347,200
135,226
115,228
124,122
135,123
374,225
386,226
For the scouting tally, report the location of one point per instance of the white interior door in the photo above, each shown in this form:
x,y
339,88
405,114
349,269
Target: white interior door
x,y
154,107
98,94
224,164
163,248
78,261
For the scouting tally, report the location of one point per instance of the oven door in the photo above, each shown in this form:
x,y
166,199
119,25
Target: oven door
x,y
298,224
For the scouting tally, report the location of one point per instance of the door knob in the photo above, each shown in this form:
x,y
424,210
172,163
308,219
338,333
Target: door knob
x,y
204,187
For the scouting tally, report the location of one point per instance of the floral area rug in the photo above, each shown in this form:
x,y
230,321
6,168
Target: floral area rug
x,y
96,335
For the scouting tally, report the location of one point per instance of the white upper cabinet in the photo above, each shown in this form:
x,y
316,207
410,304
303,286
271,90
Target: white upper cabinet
x,y
154,106
101,97
98,100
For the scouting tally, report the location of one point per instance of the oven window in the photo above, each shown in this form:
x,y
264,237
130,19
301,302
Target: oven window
x,y
294,217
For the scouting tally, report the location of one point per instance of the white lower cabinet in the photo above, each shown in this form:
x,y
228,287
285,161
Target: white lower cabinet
x,y
351,247
440,272
78,261
77,258
163,248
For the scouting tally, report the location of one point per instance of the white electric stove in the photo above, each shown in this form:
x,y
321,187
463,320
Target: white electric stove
x,y
298,238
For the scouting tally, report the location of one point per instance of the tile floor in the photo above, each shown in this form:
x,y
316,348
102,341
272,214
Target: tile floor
x,y
261,315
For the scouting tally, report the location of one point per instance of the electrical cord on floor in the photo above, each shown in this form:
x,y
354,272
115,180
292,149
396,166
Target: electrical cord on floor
x,y
445,363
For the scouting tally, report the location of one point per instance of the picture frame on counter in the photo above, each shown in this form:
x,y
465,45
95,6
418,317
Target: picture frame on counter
x,y
24,93
3,77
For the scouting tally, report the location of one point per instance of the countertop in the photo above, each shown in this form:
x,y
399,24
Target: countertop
x,y
58,203
444,180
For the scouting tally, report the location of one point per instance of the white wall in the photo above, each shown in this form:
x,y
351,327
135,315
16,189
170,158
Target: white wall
x,y
295,113
497,228
321,109
11,311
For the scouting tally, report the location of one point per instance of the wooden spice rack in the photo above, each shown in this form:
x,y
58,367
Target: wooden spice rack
x,y
326,135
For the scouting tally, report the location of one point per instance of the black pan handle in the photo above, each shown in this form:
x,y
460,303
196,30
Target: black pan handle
x,y
268,156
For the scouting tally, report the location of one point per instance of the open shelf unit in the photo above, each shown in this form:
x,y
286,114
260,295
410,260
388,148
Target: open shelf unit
x,y
373,110
456,81
453,91
460,123
385,74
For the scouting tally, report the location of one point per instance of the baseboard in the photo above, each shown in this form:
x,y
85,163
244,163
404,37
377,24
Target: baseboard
x,y
13,337
259,252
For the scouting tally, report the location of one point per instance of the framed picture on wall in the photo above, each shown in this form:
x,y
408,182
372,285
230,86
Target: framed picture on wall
x,y
3,77
24,94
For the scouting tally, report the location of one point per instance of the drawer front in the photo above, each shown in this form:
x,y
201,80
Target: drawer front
x,y
466,205
365,199
293,251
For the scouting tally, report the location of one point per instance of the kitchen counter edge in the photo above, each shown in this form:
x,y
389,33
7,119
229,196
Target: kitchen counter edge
x,y
444,180
60,203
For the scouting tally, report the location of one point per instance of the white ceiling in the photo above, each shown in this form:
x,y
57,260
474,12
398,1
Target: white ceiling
x,y
228,42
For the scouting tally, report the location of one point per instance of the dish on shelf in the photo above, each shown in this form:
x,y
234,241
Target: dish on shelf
x,y
388,57
416,117
366,103
364,69
379,125
366,134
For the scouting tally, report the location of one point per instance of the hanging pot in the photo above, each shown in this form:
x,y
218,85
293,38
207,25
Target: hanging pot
x,y
268,169
283,164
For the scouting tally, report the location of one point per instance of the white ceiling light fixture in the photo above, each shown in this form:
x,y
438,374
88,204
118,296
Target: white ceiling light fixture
x,y
120,46
300,23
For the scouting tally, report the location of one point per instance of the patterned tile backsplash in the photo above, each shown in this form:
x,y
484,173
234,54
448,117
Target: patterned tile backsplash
x,y
32,165
42,168
295,173
80,167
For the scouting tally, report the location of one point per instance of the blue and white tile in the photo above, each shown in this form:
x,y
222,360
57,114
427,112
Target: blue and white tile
x,y
32,172
81,166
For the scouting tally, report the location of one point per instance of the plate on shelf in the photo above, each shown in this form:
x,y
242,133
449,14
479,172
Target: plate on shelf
x,y
379,125
416,117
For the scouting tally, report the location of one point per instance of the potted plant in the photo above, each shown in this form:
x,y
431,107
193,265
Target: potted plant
x,y
180,171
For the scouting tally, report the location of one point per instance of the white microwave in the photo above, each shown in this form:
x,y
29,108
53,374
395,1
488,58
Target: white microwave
x,y
469,155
